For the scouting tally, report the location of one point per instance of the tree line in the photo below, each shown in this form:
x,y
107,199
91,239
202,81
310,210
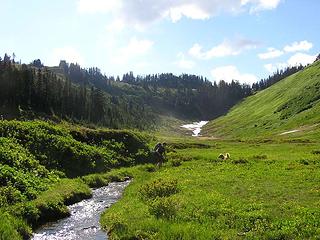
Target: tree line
x,y
35,88
74,93
276,77
185,96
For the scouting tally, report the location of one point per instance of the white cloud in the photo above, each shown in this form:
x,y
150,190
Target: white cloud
x,y
189,10
271,53
183,62
273,67
298,46
67,53
301,58
230,72
116,25
224,49
296,59
139,13
134,49
260,5
94,6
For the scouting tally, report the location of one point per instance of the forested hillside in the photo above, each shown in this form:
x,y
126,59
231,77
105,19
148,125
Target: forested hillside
x,y
185,96
27,90
86,95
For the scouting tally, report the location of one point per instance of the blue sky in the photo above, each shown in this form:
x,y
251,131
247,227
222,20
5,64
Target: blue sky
x,y
232,39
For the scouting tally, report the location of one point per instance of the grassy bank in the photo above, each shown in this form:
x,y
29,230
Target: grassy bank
x,y
45,166
265,191
19,220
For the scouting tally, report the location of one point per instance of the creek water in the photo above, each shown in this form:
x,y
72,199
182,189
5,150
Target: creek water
x,y
84,220
195,127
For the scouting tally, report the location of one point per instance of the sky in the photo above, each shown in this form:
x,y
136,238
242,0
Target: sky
x,y
244,40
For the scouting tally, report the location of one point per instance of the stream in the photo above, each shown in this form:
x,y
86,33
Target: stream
x,y
84,220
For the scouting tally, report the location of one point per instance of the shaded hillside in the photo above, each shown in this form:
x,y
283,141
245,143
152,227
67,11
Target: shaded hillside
x,y
30,91
291,106
185,96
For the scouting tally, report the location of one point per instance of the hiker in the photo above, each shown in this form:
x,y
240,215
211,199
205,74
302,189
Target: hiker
x,y
160,150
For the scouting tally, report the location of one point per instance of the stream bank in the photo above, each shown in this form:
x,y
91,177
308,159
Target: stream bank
x,y
84,220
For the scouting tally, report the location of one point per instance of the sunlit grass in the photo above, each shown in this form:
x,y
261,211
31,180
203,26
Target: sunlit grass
x,y
265,191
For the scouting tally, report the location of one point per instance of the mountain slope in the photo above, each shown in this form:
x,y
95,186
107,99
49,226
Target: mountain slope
x,y
290,107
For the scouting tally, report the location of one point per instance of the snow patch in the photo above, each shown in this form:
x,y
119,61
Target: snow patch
x,y
195,127
288,132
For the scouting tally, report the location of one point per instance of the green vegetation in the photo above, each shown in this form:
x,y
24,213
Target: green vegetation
x,y
291,104
86,150
265,191
35,159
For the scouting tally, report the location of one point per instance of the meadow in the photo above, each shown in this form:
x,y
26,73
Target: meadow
x,y
267,190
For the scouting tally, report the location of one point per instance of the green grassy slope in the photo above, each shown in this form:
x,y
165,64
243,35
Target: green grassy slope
x,y
291,104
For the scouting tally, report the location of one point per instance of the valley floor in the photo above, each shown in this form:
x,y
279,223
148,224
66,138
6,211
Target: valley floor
x,y
267,190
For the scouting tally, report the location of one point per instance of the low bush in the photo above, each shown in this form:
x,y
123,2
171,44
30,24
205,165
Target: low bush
x,y
260,157
176,162
21,176
240,161
77,151
316,152
149,168
13,228
308,161
163,207
159,188
114,222
181,157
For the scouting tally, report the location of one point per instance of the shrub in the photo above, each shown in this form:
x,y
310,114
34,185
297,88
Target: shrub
x,y
316,152
260,157
307,161
13,228
149,168
176,162
113,223
304,161
163,207
240,161
10,195
75,152
180,157
159,188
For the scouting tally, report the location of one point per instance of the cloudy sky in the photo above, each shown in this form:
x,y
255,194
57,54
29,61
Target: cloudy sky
x,y
230,39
